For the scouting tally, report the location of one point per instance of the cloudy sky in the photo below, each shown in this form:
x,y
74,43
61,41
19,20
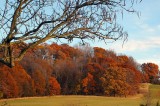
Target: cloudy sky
x,y
144,34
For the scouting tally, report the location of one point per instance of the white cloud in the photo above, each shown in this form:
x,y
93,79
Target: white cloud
x,y
158,27
146,30
144,37
134,45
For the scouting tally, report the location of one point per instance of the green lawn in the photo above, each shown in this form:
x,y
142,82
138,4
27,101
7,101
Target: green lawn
x,y
84,100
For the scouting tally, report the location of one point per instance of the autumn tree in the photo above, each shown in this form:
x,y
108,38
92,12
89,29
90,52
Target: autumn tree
x,y
114,73
36,21
39,69
151,70
114,82
54,86
133,74
96,70
8,84
24,81
68,75
15,82
88,85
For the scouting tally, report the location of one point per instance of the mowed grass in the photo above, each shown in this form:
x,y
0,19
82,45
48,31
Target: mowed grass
x,y
74,101
84,100
155,91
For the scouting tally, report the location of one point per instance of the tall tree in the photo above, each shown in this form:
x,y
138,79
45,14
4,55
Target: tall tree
x,y
36,21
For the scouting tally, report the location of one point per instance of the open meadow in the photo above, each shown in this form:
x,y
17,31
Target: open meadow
x,y
86,100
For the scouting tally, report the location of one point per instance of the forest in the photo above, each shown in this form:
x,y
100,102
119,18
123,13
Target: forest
x,y
52,69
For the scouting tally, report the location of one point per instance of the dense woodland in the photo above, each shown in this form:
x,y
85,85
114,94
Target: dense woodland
x,y
81,70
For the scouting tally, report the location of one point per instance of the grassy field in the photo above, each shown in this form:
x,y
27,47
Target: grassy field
x,y
84,100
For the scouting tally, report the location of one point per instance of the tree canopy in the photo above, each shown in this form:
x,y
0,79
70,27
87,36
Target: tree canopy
x,y
27,23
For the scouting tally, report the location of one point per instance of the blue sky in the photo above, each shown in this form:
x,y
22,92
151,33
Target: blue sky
x,y
144,34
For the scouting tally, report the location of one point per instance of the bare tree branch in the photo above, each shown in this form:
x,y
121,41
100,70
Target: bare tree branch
x,y
33,22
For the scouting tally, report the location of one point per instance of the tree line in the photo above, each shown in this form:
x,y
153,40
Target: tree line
x,y
52,69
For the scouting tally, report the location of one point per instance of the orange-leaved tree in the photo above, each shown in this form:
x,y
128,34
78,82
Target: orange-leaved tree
x,y
151,70
88,85
54,86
